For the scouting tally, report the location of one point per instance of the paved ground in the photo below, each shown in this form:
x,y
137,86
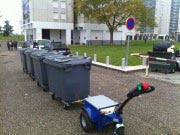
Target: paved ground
x,y
26,110
171,78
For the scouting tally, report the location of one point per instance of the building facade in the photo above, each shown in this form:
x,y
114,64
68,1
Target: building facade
x,y
48,19
166,13
56,20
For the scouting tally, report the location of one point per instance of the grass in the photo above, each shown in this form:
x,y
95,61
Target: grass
x,y
12,37
116,52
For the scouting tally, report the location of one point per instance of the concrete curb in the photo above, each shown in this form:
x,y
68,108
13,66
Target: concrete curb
x,y
119,68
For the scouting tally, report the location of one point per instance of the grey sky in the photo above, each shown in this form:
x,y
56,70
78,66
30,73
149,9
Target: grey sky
x,y
11,10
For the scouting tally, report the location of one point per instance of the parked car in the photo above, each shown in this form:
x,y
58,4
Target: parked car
x,y
41,43
26,44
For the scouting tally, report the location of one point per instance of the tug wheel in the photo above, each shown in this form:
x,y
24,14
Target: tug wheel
x,y
120,131
85,121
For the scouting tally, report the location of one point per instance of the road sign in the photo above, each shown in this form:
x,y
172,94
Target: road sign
x,y
130,22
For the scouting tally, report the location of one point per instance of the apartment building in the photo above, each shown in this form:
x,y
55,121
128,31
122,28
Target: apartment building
x,y
48,19
56,20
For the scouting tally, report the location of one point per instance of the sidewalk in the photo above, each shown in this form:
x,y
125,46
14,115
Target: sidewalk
x,y
120,68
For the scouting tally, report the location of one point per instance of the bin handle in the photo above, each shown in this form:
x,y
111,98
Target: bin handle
x,y
88,65
68,67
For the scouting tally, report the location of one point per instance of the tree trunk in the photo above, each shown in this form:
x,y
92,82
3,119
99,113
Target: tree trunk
x,y
111,37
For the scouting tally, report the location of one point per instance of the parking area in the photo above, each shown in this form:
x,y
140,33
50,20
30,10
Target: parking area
x,y
26,110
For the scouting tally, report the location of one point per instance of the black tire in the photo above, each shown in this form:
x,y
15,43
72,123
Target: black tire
x,y
173,71
119,131
85,121
66,107
45,89
53,96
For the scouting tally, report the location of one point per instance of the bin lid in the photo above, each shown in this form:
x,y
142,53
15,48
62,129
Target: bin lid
x,y
162,46
44,54
39,53
30,50
67,60
100,101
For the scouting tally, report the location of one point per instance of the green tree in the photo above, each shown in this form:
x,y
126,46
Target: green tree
x,y
114,13
0,30
8,29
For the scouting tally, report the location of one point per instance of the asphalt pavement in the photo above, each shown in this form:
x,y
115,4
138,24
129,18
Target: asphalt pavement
x,y
26,110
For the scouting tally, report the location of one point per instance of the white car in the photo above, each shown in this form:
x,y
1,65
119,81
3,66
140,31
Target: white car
x,y
41,43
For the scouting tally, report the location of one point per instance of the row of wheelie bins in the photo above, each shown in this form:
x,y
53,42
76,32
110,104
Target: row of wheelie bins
x,y
64,76
165,50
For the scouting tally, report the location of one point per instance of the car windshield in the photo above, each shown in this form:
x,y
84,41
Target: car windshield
x,y
42,42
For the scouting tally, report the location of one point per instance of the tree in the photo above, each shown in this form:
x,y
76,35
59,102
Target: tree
x,y
8,29
114,13
0,30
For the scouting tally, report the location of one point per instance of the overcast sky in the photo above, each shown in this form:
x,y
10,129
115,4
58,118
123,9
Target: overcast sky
x,y
11,10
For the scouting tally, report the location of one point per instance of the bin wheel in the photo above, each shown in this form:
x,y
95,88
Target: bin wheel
x,y
85,121
38,84
53,96
119,131
66,107
173,71
45,90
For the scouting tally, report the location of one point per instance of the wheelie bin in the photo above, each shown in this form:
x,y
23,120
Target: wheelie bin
x,y
68,77
30,67
40,72
23,59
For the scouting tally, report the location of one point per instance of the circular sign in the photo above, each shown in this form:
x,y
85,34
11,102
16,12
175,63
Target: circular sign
x,y
130,22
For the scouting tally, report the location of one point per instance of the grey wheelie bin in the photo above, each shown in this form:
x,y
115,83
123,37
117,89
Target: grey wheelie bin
x,y
23,59
68,77
30,67
40,72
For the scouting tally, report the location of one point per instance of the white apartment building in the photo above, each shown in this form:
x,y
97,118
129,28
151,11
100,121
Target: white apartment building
x,y
55,20
48,19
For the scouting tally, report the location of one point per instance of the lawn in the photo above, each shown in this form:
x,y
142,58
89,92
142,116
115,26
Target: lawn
x,y
12,37
116,52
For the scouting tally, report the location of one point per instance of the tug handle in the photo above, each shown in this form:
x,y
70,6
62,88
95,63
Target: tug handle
x,y
136,92
141,88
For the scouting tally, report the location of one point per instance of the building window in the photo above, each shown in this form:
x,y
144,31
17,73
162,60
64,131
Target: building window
x,y
55,4
55,16
63,16
63,4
